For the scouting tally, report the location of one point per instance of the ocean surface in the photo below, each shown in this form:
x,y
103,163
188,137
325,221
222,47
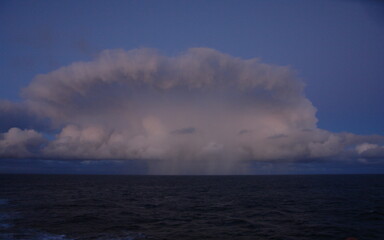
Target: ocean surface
x,y
84,207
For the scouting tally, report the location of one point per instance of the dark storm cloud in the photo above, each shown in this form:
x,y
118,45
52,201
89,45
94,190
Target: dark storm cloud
x,y
200,112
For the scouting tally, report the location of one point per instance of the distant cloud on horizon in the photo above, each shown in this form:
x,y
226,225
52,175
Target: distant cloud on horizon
x,y
199,112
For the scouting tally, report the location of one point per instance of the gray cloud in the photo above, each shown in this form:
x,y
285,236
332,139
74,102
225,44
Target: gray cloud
x,y
17,143
200,112
370,151
189,130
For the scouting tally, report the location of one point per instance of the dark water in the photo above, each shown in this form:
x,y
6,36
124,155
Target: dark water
x,y
191,207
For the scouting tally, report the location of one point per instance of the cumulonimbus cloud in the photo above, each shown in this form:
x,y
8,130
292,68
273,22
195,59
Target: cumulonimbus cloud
x,y
200,111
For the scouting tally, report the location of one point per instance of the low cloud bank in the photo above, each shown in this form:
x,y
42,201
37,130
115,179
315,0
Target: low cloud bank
x,y
200,112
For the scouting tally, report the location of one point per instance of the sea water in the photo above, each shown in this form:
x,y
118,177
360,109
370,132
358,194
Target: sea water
x,y
85,207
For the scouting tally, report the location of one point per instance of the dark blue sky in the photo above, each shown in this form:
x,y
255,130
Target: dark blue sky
x,y
336,47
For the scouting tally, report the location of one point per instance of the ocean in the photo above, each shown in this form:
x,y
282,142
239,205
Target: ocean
x,y
98,207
